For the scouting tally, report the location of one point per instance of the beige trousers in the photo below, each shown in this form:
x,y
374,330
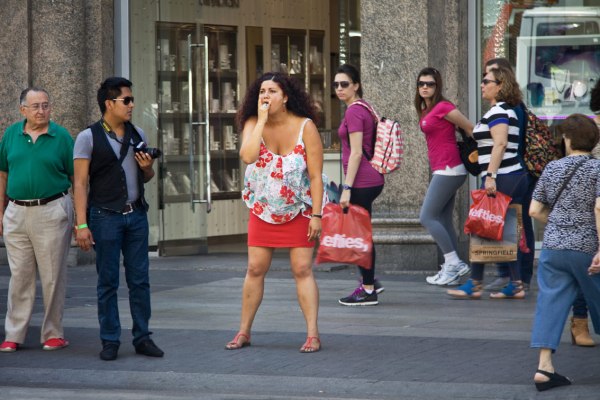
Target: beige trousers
x,y
37,238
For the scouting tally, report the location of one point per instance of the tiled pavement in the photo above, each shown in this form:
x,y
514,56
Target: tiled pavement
x,y
417,344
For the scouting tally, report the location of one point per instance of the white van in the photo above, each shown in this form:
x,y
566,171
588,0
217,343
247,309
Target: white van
x,y
558,59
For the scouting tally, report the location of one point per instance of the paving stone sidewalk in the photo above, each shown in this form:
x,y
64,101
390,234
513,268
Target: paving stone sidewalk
x,y
417,344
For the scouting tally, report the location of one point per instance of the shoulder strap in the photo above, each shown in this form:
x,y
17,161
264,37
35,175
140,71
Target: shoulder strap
x,y
302,130
376,120
368,107
125,144
564,185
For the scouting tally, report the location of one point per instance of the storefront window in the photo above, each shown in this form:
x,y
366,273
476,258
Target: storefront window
x,y
553,46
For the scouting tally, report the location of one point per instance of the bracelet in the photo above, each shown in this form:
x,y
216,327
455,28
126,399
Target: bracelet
x,y
316,215
82,226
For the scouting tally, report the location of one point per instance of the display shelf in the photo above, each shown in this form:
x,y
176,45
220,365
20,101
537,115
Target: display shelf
x,y
174,128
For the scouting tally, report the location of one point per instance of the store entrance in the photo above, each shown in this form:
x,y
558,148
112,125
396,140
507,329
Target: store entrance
x,y
169,68
182,127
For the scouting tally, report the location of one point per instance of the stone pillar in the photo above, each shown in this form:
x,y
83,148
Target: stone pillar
x,y
64,46
399,38
14,62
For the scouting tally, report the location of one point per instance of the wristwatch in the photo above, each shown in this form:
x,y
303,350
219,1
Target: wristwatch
x,y
492,175
346,187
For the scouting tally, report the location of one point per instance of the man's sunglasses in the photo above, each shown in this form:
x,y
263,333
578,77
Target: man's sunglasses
x,y
125,100
343,84
429,84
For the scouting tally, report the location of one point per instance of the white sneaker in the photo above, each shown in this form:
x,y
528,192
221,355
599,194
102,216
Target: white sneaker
x,y
432,280
449,278
462,268
450,275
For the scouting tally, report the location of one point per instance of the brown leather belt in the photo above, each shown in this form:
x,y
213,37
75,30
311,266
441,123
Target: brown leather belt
x,y
38,202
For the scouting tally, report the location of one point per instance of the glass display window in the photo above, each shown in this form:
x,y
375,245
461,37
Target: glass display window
x,y
553,48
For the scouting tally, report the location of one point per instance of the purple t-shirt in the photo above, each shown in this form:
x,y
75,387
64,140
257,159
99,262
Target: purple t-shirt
x,y
358,119
441,140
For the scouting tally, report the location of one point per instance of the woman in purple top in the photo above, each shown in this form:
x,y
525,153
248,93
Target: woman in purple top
x,y
438,119
362,184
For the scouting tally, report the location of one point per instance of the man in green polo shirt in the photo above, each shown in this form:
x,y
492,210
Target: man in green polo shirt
x,y
36,171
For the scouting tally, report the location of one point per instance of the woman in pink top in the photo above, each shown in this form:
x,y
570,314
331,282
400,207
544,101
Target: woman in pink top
x,y
438,119
362,184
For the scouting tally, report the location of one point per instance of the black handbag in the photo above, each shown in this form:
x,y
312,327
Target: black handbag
x,y
468,153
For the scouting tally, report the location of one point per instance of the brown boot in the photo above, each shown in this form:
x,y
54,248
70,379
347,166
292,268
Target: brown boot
x,y
580,334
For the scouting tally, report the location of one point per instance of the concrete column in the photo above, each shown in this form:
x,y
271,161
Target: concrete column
x,y
14,62
58,57
65,46
399,38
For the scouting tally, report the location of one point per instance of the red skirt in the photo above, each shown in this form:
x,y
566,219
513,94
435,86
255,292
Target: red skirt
x,y
290,234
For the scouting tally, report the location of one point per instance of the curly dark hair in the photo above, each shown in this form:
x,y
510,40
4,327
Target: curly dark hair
x,y
595,100
420,105
299,101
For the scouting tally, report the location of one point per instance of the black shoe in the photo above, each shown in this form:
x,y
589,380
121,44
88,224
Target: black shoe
x,y
360,298
109,351
555,380
148,348
378,287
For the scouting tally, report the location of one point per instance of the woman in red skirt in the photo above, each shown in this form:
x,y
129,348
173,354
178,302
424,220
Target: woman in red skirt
x,y
283,187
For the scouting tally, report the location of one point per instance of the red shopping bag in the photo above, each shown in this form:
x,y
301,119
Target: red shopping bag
x,y
346,237
487,214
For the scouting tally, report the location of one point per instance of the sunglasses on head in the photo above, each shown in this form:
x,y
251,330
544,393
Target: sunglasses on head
x,y
343,84
430,84
125,100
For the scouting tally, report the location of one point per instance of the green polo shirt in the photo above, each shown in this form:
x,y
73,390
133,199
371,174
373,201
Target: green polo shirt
x,y
36,170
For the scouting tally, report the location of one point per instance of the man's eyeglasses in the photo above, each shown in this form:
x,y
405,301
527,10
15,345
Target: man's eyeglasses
x,y
126,100
343,84
38,106
429,84
486,81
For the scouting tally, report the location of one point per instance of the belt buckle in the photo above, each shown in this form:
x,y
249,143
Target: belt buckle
x,y
128,209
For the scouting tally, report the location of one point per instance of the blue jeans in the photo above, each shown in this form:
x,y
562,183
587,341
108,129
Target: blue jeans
x,y
524,260
127,233
561,275
514,184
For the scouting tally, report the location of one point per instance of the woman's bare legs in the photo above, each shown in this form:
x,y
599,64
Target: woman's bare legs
x,y
259,262
307,291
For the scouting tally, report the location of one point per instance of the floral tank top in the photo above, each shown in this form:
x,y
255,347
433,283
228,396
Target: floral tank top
x,y
277,188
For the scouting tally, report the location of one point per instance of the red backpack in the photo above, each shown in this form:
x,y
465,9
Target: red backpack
x,y
388,143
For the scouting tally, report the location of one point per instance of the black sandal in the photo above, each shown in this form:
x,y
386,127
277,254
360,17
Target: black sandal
x,y
555,380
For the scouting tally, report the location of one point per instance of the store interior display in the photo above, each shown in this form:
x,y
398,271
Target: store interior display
x,y
173,117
